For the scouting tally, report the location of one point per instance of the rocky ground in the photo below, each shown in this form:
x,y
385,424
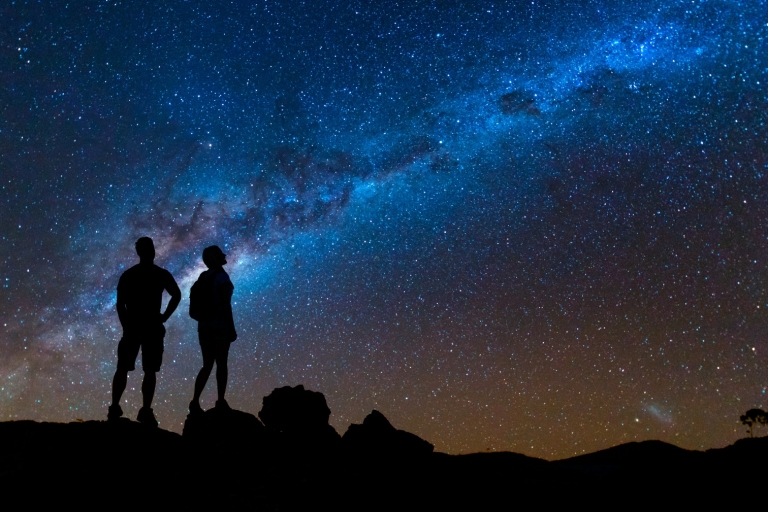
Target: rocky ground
x,y
290,458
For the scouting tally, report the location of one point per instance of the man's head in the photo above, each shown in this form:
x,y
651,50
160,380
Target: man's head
x,y
145,248
213,257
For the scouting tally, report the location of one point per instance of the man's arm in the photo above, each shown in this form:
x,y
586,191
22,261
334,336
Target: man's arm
x,y
173,289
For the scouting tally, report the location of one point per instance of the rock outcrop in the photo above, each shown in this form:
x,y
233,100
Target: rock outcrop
x,y
299,415
376,436
222,426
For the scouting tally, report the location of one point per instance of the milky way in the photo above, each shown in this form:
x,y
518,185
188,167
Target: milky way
x,y
505,225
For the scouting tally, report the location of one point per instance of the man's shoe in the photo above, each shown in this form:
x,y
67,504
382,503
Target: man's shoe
x,y
194,408
222,404
147,417
115,412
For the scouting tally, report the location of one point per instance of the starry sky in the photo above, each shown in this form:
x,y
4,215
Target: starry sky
x,y
528,226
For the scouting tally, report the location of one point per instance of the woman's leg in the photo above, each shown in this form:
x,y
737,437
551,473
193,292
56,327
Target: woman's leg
x,y
204,373
222,375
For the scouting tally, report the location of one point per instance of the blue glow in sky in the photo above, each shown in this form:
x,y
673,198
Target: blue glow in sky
x,y
505,225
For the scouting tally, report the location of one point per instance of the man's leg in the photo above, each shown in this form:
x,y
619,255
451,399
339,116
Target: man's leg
x,y
148,388
151,361
127,350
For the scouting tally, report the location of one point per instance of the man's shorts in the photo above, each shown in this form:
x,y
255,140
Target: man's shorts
x,y
151,344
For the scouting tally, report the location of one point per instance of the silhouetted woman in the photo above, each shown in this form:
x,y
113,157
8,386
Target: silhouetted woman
x,y
212,298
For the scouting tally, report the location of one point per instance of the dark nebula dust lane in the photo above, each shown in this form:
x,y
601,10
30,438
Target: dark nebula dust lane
x,y
506,225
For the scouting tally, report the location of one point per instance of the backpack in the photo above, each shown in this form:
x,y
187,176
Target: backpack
x,y
201,304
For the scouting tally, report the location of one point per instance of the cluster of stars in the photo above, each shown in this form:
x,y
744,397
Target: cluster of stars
x,y
507,226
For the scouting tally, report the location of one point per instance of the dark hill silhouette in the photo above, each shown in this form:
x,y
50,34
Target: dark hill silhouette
x,y
740,453
634,454
228,458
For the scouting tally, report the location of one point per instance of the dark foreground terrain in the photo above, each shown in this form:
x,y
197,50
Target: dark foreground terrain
x,y
291,459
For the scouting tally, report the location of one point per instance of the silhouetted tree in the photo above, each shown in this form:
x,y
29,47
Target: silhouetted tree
x,y
754,417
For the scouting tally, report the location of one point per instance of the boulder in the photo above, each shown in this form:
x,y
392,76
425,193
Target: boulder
x,y
298,414
377,436
222,426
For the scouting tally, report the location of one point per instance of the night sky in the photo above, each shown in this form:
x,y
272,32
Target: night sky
x,y
506,225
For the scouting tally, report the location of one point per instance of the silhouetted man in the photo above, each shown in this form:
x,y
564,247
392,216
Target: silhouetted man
x,y
215,327
139,300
